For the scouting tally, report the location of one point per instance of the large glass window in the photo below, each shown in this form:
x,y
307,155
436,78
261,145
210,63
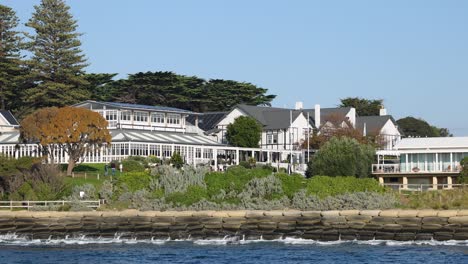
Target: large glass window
x,y
126,116
141,117
157,118
173,119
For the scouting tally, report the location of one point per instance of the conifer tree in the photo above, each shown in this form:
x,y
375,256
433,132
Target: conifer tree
x,y
57,63
10,58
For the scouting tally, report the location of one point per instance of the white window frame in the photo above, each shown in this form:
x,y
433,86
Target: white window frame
x,y
173,119
126,115
157,118
140,117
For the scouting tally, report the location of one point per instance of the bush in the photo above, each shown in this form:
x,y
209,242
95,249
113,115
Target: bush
x,y
130,165
88,189
173,180
291,183
463,178
343,157
107,190
234,179
176,160
135,181
324,186
192,195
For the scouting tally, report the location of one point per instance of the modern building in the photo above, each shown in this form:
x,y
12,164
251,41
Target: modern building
x,y
422,162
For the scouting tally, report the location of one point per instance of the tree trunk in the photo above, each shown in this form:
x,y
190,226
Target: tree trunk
x,y
71,165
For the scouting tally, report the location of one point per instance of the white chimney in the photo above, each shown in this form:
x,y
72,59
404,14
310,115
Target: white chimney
x,y
383,111
317,116
352,116
299,106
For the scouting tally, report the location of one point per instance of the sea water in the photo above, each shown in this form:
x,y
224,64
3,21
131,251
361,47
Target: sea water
x,y
19,249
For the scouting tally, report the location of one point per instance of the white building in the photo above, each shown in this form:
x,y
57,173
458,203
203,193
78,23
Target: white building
x,y
141,130
429,162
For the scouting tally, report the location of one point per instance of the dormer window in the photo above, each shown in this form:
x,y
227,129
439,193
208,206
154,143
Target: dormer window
x,y
173,119
140,116
157,118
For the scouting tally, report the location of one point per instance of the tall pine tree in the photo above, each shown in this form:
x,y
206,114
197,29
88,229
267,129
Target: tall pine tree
x,y
10,58
57,63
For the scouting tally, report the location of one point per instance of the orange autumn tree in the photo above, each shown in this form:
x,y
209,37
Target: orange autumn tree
x,y
72,129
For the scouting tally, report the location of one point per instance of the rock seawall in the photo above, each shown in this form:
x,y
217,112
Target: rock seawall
x,y
400,225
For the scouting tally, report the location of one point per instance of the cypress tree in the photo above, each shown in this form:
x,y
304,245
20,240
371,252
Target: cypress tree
x,y
10,58
57,63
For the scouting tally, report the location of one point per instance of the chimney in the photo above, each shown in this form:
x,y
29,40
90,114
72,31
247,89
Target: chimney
x,y
383,111
317,116
352,116
299,106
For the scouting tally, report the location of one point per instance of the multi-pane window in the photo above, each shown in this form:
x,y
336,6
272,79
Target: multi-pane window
x,y
157,118
140,117
272,138
173,119
126,116
112,116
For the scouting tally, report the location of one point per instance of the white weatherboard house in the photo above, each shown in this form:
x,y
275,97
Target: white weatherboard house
x,y
142,130
428,162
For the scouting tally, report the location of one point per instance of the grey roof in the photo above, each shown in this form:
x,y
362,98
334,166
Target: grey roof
x,y
127,135
373,123
9,117
270,117
131,135
207,121
139,107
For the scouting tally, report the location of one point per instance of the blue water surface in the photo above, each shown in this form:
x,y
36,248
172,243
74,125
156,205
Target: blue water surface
x,y
226,251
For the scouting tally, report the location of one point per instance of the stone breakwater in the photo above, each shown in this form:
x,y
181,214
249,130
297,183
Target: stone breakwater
x,y
400,225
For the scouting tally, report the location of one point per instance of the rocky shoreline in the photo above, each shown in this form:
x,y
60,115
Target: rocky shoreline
x,y
401,225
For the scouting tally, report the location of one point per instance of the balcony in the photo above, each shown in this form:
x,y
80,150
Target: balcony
x,y
401,169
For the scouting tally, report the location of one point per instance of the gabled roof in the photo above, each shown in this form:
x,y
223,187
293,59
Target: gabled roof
x,y
325,112
9,117
138,107
374,124
207,121
432,143
270,117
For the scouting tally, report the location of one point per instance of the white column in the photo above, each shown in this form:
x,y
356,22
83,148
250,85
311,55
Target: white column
x,y
407,169
381,180
425,162
215,157
405,183
451,161
434,183
449,182
268,157
437,166
237,156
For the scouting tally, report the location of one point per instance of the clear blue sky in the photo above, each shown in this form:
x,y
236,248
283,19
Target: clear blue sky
x,y
413,54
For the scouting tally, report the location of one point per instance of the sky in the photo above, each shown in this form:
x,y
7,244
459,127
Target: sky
x,y
412,54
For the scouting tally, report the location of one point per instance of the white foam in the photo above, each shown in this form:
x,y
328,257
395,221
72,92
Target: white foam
x,y
20,240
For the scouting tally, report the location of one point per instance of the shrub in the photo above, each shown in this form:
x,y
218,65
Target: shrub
x,y
130,165
343,157
88,189
107,190
234,179
323,186
268,187
173,180
135,181
463,177
176,160
192,195
291,183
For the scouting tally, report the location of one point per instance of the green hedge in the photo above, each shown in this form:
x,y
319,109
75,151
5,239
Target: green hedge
x,y
192,195
134,180
291,183
324,186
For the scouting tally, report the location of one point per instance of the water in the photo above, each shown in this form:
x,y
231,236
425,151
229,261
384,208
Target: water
x,y
17,249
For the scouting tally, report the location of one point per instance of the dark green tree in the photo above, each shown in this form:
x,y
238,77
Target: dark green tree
x,y
57,63
187,92
10,58
463,178
343,157
415,127
244,132
99,85
364,107
223,95
176,160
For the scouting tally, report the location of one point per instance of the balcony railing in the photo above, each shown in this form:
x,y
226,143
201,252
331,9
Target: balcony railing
x,y
397,168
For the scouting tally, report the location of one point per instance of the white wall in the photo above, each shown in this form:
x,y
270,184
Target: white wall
x,y
5,126
389,129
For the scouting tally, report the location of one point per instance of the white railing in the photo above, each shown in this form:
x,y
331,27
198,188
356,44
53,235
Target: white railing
x,y
422,187
385,168
29,204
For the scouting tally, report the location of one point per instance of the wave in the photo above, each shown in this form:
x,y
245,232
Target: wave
x,y
22,240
